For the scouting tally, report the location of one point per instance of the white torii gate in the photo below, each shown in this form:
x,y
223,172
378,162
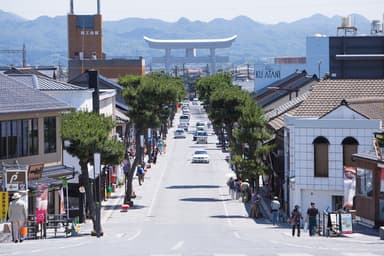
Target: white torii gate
x,y
190,46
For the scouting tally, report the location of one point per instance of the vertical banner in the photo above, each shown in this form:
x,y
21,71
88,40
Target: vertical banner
x,y
3,206
41,202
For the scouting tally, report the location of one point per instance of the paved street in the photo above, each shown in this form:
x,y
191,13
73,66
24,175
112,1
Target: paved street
x,y
185,209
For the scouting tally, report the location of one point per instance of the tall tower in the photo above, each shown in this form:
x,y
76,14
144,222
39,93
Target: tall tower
x,y
85,35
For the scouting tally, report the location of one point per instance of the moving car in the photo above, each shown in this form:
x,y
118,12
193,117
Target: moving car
x,y
202,137
183,125
200,156
184,118
179,133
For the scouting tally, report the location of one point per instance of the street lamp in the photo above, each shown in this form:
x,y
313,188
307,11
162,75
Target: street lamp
x,y
97,168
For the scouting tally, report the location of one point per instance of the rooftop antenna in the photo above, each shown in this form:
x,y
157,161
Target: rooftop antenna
x,y
98,7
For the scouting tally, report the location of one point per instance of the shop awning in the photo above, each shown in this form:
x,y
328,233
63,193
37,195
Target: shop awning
x,y
49,182
59,172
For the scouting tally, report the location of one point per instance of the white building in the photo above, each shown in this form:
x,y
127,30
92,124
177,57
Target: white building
x,y
336,120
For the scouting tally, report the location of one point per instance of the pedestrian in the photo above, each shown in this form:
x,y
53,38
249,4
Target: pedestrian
x,y
160,146
245,190
17,215
312,213
255,204
164,146
237,188
140,174
296,218
275,207
231,187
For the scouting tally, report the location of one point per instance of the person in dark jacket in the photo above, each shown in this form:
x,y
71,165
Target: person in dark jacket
x,y
312,213
296,217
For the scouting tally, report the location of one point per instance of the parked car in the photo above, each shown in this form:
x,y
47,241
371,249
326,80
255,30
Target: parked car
x,y
179,133
200,156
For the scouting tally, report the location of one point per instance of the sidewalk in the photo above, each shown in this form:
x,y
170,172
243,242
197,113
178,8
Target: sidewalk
x,y
112,203
358,228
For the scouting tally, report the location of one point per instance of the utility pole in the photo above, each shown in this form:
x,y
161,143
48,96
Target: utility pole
x,y
23,52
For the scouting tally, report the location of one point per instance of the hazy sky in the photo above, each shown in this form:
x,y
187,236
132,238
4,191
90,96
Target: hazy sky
x,y
265,11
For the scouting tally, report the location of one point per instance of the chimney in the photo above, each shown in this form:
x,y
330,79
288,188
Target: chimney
x,y
93,83
71,7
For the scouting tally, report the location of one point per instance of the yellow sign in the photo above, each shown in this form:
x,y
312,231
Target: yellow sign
x,y
3,205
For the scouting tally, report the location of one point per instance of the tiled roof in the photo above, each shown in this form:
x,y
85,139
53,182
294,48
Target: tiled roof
x,y
275,117
372,107
327,94
45,83
17,97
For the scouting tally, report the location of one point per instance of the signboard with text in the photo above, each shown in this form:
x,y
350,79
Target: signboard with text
x,y
3,206
16,180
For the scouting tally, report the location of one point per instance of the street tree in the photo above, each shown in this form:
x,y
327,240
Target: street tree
x,y
151,99
225,108
87,133
205,86
249,149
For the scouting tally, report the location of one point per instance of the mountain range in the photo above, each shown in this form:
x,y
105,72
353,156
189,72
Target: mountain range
x,y
45,38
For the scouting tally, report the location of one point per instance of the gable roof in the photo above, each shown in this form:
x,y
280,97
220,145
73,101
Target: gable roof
x,y
44,83
283,87
275,117
371,107
104,83
17,97
327,95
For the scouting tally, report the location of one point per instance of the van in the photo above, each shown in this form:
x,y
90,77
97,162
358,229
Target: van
x,y
202,137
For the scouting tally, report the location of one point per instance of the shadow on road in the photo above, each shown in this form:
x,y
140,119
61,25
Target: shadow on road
x,y
229,217
192,186
203,199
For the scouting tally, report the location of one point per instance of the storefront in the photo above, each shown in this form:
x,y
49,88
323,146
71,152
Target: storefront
x,y
369,198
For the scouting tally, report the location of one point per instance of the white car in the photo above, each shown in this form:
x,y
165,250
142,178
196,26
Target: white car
x,y
201,137
183,126
200,156
179,133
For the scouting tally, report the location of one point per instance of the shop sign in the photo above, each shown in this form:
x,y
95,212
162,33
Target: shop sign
x,y
35,171
16,180
3,205
346,223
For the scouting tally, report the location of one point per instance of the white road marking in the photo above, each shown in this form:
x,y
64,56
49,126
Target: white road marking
x,y
134,236
149,213
294,254
226,209
177,246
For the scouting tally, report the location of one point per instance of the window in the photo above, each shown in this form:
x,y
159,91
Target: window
x,y
321,146
18,138
50,134
349,148
364,182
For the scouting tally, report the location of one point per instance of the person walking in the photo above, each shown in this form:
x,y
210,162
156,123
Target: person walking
x,y
17,215
275,207
296,218
140,174
245,191
231,187
312,213
255,204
